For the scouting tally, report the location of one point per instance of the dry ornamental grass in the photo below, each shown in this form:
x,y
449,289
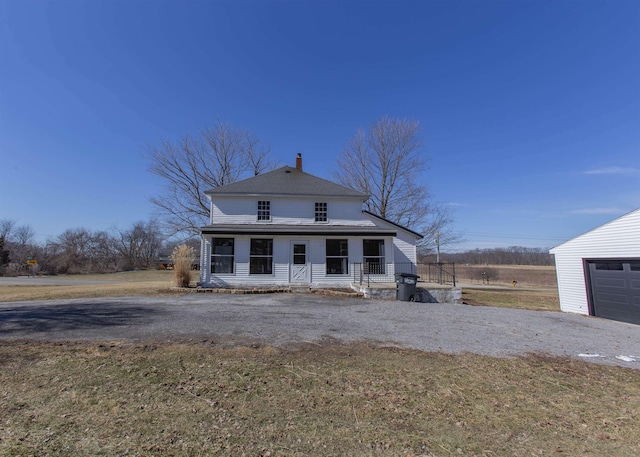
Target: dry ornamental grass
x,y
199,399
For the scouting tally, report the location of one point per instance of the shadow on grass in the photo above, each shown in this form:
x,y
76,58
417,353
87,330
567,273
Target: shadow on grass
x,y
23,320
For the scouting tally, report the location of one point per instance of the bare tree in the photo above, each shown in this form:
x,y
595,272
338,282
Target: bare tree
x,y
19,241
81,251
138,246
217,156
4,256
6,228
387,162
438,232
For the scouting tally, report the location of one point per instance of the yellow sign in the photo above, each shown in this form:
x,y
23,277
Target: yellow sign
x,y
32,262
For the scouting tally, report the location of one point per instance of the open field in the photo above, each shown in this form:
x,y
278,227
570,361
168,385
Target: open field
x,y
150,282
540,299
525,275
198,399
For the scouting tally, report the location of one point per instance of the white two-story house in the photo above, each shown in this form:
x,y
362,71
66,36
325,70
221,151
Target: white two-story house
x,y
288,227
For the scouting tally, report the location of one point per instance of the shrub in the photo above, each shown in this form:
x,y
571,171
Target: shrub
x,y
183,256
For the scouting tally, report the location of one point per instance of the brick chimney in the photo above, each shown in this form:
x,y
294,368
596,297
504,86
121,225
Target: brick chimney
x,y
299,161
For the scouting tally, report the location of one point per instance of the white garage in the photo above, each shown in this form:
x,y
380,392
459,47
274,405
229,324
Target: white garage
x,y
599,272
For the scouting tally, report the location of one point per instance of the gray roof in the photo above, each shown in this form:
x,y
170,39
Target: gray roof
x,y
419,235
287,181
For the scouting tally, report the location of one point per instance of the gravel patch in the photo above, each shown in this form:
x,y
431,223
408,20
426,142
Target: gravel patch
x,y
285,319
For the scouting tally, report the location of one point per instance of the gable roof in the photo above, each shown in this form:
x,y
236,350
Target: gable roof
x,y
287,181
623,229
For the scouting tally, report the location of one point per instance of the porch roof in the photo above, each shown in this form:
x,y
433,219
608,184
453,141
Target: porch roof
x,y
295,230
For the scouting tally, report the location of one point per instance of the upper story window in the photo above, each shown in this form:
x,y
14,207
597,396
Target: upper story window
x,y
321,212
264,210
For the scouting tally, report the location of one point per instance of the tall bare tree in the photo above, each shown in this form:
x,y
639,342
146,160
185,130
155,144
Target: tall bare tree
x,y
137,246
385,162
388,161
217,156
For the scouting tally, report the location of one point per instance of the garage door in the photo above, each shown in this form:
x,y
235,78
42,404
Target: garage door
x,y
615,289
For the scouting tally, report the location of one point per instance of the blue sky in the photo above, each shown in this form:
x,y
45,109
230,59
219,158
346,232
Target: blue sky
x,y
530,109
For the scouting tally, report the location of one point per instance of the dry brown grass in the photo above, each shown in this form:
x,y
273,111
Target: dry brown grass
x,y
199,399
523,274
541,299
152,282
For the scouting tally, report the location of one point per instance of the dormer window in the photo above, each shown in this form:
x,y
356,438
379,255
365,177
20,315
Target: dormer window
x,y
321,212
264,210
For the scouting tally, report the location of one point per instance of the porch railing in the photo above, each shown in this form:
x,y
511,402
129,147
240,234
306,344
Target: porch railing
x,y
439,273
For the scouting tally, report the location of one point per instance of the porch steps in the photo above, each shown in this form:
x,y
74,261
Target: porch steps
x,y
299,289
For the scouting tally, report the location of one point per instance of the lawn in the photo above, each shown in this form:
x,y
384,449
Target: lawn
x,y
539,299
186,399
197,398
150,282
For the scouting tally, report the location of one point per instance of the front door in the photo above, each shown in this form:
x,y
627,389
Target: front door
x,y
299,262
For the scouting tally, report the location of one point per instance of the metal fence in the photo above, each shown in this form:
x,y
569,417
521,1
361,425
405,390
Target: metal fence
x,y
439,273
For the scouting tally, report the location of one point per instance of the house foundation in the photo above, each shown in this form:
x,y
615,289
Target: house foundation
x,y
425,293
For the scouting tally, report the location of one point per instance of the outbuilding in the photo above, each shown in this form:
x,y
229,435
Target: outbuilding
x,y
599,271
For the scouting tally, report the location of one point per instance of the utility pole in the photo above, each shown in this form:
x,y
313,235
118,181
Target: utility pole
x,y
438,247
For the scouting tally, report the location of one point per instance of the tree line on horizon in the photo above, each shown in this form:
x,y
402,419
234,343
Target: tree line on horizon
x,y
138,247
513,255
82,250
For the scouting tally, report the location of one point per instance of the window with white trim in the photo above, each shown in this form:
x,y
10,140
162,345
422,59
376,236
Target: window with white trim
x,y
337,257
373,256
261,257
264,210
222,255
321,212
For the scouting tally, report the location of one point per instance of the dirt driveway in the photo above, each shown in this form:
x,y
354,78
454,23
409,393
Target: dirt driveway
x,y
283,319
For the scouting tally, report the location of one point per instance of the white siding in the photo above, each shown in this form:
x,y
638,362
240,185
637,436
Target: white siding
x,y
404,244
292,211
205,252
234,211
619,238
298,211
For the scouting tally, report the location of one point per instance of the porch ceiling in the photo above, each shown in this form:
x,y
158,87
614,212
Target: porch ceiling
x,y
283,229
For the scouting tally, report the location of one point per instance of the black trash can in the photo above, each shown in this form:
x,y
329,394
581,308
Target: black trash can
x,y
406,286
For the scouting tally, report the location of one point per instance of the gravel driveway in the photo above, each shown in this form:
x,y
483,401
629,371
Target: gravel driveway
x,y
282,319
